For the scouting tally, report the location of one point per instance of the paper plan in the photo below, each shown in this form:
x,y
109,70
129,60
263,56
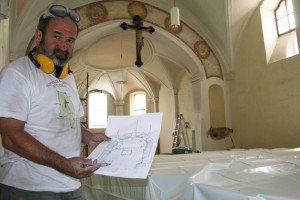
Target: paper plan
x,y
132,147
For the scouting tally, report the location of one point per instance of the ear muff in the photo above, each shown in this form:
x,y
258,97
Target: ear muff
x,y
61,72
46,65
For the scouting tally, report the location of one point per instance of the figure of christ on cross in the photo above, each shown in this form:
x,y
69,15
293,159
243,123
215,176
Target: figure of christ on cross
x,y
138,27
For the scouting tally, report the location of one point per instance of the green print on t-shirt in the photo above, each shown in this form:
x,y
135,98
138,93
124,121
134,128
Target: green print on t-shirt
x,y
66,107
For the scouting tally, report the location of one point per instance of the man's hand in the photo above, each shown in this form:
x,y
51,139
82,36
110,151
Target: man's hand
x,y
74,167
93,139
97,138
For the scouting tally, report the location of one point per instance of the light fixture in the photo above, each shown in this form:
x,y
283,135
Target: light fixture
x,y
175,21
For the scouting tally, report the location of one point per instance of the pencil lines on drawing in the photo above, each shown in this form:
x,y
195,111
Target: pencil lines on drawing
x,y
135,146
131,150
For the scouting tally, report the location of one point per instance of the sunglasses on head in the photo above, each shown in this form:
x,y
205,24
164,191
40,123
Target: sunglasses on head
x,y
61,11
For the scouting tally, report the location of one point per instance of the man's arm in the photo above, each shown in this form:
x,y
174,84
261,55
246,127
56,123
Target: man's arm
x,y
15,139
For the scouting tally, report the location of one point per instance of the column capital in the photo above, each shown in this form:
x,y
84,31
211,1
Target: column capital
x,y
155,99
175,91
119,102
195,78
229,76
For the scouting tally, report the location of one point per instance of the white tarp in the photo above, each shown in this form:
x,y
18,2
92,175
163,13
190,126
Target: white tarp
x,y
257,174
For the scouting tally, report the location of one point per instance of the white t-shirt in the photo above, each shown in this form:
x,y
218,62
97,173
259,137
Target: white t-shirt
x,y
52,109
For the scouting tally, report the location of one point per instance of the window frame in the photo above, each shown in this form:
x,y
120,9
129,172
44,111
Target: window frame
x,y
287,14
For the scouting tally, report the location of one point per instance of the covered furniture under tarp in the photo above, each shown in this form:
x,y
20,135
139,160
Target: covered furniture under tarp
x,y
256,174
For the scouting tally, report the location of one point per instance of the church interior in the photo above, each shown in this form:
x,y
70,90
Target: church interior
x,y
224,73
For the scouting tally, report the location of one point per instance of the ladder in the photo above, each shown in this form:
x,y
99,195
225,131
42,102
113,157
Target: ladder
x,y
178,134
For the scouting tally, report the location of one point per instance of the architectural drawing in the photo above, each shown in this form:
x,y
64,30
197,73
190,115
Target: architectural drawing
x,y
132,147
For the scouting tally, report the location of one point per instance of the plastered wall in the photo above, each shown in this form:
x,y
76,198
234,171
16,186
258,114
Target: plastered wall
x,y
264,97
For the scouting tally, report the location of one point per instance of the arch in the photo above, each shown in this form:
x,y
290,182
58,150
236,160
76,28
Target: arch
x,y
99,14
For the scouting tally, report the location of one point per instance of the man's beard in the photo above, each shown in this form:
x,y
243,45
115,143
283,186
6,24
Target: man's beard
x,y
58,56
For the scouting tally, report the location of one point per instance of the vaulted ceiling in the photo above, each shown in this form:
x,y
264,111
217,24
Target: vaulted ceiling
x,y
107,53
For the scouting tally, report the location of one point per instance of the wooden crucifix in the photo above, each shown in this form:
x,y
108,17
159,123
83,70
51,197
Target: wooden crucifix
x,y
138,27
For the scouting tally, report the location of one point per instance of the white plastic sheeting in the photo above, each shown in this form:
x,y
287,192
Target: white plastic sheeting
x,y
257,174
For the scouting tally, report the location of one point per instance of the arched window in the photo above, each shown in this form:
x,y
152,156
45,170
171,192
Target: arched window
x,y
285,17
138,103
97,109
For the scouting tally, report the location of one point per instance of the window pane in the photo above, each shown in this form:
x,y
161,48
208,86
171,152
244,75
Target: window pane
x,y
281,11
290,8
139,104
97,110
140,101
283,25
292,21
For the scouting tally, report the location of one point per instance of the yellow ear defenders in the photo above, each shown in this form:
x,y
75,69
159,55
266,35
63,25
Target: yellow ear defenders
x,y
46,65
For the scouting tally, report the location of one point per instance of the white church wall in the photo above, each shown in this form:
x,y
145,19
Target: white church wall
x,y
264,97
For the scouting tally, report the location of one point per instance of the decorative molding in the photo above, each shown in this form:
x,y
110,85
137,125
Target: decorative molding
x,y
202,49
96,12
136,8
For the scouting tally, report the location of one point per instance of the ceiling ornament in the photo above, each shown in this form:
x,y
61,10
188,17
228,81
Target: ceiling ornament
x,y
202,49
138,27
137,9
96,12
